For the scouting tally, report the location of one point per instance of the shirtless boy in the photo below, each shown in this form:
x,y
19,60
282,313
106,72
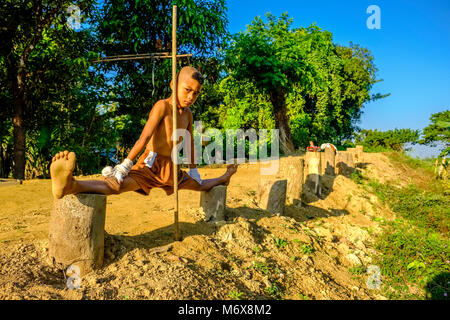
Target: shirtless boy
x,y
154,168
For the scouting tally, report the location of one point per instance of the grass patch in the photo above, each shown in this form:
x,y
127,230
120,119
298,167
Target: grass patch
x,y
235,295
303,297
306,249
358,270
357,176
280,243
261,267
414,252
275,291
413,163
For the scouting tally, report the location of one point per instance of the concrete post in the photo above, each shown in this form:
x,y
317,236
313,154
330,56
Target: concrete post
x,y
214,202
76,237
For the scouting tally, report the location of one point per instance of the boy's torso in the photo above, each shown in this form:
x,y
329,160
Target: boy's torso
x,y
161,140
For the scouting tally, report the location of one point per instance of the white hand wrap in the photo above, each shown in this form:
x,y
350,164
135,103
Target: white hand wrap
x,y
121,170
108,172
193,173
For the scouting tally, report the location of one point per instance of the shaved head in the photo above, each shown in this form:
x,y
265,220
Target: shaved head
x,y
190,73
189,85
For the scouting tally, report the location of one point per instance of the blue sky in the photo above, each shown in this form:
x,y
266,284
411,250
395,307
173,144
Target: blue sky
x,y
411,50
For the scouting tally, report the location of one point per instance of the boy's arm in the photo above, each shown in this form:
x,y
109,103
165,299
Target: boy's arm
x,y
155,116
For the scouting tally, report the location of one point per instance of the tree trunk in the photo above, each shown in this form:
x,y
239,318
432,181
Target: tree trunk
x,y
16,79
19,140
278,99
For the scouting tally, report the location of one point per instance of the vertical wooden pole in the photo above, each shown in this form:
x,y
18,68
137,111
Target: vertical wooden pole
x,y
174,115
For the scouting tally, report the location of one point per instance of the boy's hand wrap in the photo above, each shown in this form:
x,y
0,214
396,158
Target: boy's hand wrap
x,y
193,173
122,170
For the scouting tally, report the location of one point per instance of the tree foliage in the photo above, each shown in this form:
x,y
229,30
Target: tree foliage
x,y
316,88
374,140
56,98
145,26
438,131
44,63
271,75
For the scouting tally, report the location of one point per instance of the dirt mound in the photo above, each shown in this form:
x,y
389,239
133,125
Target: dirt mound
x,y
309,252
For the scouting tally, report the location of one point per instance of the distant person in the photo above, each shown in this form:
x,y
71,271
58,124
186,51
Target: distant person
x,y
312,147
329,145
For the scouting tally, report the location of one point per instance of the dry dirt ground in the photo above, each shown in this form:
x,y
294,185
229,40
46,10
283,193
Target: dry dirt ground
x,y
304,254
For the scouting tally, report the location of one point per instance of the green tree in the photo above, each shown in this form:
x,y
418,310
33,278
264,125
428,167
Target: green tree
x,y
438,130
309,80
58,98
374,140
145,26
42,59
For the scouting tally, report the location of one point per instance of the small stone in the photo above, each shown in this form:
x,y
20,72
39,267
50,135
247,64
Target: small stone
x,y
353,259
112,268
235,272
267,283
228,236
139,263
146,292
220,223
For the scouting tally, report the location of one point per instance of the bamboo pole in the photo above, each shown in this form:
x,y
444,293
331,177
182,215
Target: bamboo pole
x,y
174,115
125,57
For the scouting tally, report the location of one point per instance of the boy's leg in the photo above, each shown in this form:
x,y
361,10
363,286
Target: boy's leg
x,y
100,186
207,184
63,183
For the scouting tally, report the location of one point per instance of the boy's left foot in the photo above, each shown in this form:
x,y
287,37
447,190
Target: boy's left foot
x,y
231,169
63,164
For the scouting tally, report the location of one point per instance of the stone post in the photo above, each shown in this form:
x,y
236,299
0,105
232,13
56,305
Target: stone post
x,y
329,161
291,169
76,237
272,195
313,169
214,202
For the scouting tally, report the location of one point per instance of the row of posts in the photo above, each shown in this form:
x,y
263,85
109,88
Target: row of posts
x,y
295,173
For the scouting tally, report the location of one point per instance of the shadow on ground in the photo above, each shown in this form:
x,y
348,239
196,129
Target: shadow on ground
x,y
438,288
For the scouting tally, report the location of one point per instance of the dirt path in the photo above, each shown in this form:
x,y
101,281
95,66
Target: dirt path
x,y
305,254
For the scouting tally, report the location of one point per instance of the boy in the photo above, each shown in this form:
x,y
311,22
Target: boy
x,y
154,169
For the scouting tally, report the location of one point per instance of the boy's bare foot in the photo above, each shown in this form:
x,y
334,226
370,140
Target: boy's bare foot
x,y
63,164
231,169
